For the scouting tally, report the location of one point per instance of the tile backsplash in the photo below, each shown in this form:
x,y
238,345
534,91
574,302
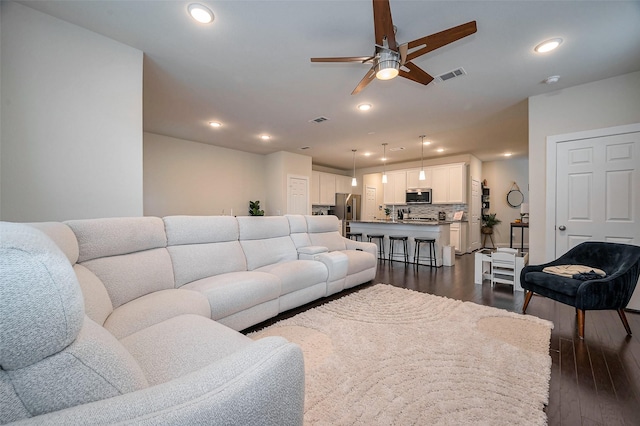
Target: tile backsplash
x,y
432,210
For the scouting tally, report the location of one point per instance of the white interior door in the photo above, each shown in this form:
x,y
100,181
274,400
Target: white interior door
x,y
598,193
298,195
476,206
370,203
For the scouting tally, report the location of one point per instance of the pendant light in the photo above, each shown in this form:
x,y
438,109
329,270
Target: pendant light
x,y
354,181
421,176
384,165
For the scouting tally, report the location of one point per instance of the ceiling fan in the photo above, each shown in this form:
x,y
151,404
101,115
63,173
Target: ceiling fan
x,y
390,59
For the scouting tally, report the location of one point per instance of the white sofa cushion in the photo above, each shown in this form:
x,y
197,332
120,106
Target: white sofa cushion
x,y
154,308
118,235
200,229
266,240
130,276
97,303
180,345
192,262
297,274
236,291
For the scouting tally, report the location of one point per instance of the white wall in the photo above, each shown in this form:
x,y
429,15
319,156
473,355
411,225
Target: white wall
x,y
500,176
278,166
71,121
605,103
185,177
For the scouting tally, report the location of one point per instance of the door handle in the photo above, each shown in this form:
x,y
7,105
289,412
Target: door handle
x,y
562,227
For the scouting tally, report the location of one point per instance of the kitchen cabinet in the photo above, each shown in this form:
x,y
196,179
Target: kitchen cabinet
x,y
343,185
413,178
323,189
458,236
454,230
315,188
395,189
327,189
449,184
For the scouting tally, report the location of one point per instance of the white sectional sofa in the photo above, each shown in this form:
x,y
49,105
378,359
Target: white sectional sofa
x,y
135,319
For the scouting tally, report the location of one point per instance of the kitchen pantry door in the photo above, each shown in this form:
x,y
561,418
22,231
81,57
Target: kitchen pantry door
x,y
370,203
297,194
597,189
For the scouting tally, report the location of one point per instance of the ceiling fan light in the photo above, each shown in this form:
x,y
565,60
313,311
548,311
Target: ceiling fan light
x,y
388,65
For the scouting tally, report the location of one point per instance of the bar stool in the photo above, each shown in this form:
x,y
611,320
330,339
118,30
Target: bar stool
x,y
432,249
395,238
356,235
381,254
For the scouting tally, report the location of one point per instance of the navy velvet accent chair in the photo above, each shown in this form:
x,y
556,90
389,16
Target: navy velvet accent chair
x,y
621,262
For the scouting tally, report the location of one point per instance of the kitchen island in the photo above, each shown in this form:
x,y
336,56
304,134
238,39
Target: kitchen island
x,y
411,228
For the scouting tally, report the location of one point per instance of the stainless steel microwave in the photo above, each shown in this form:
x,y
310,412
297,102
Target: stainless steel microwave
x,y
418,196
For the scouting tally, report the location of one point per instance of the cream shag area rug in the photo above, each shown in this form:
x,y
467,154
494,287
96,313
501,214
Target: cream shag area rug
x,y
391,356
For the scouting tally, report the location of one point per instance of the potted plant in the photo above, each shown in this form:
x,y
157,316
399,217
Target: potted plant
x,y
254,208
387,212
488,222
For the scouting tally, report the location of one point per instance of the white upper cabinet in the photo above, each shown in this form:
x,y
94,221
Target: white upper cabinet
x,y
458,183
395,189
413,178
327,189
343,184
323,189
449,184
315,188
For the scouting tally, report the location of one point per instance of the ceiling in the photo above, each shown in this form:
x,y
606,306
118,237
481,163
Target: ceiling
x,y
250,70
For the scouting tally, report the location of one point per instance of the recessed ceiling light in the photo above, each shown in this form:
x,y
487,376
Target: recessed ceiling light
x,y
215,124
200,13
364,107
265,137
552,79
367,154
426,143
440,149
507,154
548,45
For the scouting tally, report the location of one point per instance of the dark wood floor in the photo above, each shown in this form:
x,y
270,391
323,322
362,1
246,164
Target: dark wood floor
x,y
595,381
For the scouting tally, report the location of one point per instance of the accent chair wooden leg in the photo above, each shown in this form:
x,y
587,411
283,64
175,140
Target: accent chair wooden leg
x,y
527,299
581,323
623,317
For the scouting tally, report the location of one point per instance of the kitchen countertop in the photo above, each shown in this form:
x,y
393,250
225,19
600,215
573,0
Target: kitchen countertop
x,y
404,222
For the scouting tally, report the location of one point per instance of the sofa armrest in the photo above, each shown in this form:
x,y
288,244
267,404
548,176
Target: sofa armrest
x,y
309,252
337,264
364,246
262,384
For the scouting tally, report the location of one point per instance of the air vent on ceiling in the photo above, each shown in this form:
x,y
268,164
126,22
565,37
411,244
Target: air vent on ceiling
x,y
397,148
304,147
318,120
451,74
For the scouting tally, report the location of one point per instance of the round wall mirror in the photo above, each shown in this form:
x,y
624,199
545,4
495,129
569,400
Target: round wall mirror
x,y
515,198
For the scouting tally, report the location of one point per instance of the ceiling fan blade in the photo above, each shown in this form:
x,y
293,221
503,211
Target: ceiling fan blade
x,y
403,49
368,78
437,40
362,59
416,74
383,24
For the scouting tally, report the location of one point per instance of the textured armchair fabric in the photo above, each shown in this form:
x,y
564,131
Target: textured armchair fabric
x,y
621,262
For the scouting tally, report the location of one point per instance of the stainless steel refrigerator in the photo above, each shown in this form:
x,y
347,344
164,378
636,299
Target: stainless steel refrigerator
x,y
348,207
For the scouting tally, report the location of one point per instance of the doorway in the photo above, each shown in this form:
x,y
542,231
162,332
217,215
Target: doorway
x,y
370,202
297,194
